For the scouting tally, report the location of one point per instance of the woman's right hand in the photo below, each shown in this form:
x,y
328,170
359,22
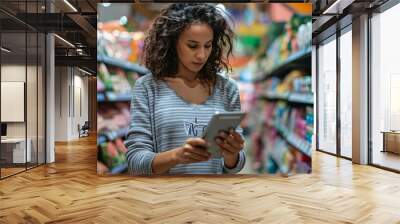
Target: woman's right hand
x,y
194,150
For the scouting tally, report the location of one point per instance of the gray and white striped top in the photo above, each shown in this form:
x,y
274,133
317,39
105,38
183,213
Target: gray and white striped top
x,y
162,120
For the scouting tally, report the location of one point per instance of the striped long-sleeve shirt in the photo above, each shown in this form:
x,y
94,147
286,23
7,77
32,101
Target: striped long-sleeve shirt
x,y
162,120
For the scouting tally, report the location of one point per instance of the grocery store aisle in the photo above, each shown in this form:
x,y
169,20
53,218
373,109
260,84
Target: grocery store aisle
x,y
71,191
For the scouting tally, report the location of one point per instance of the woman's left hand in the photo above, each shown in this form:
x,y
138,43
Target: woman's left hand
x,y
230,144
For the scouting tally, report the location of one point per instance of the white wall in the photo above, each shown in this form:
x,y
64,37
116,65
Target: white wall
x,y
34,125
81,89
61,103
12,73
69,86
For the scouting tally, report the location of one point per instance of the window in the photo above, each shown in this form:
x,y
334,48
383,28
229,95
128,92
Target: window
x,y
385,88
346,95
22,76
327,96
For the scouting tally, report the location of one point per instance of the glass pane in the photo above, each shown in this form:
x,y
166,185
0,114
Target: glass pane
x,y
346,94
14,153
327,97
32,96
385,85
41,99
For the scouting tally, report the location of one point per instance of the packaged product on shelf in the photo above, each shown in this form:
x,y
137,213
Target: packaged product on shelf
x,y
286,84
269,110
273,56
117,82
309,123
301,163
303,35
300,128
281,116
100,86
270,165
111,156
282,156
297,123
296,37
104,76
292,120
285,43
302,84
120,84
112,118
120,44
271,85
300,26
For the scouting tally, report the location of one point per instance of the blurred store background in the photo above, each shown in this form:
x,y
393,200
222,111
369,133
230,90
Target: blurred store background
x,y
271,63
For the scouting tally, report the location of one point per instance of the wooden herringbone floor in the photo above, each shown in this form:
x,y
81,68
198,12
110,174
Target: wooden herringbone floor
x,y
70,191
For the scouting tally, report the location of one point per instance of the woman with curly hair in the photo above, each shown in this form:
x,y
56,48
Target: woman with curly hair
x,y
186,50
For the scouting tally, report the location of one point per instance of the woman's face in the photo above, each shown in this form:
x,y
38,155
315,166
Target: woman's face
x,y
194,47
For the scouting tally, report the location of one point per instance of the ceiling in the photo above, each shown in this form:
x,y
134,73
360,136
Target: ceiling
x,y
21,20
332,15
72,20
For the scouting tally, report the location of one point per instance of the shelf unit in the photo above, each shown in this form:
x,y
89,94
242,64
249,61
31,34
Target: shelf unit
x,y
113,97
122,64
110,98
291,97
282,139
305,98
297,59
298,143
132,67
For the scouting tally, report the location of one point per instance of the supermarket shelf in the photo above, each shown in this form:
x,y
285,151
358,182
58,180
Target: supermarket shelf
x,y
122,64
300,144
291,97
277,156
112,135
276,96
302,57
113,97
306,98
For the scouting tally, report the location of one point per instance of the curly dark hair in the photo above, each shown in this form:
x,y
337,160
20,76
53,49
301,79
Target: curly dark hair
x,y
160,54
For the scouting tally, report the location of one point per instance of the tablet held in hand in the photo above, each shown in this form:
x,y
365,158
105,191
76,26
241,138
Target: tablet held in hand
x,y
221,121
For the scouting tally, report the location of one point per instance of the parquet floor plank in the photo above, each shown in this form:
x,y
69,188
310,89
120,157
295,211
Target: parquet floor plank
x,y
70,191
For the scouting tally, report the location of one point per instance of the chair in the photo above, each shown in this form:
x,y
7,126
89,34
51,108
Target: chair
x,y
84,130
